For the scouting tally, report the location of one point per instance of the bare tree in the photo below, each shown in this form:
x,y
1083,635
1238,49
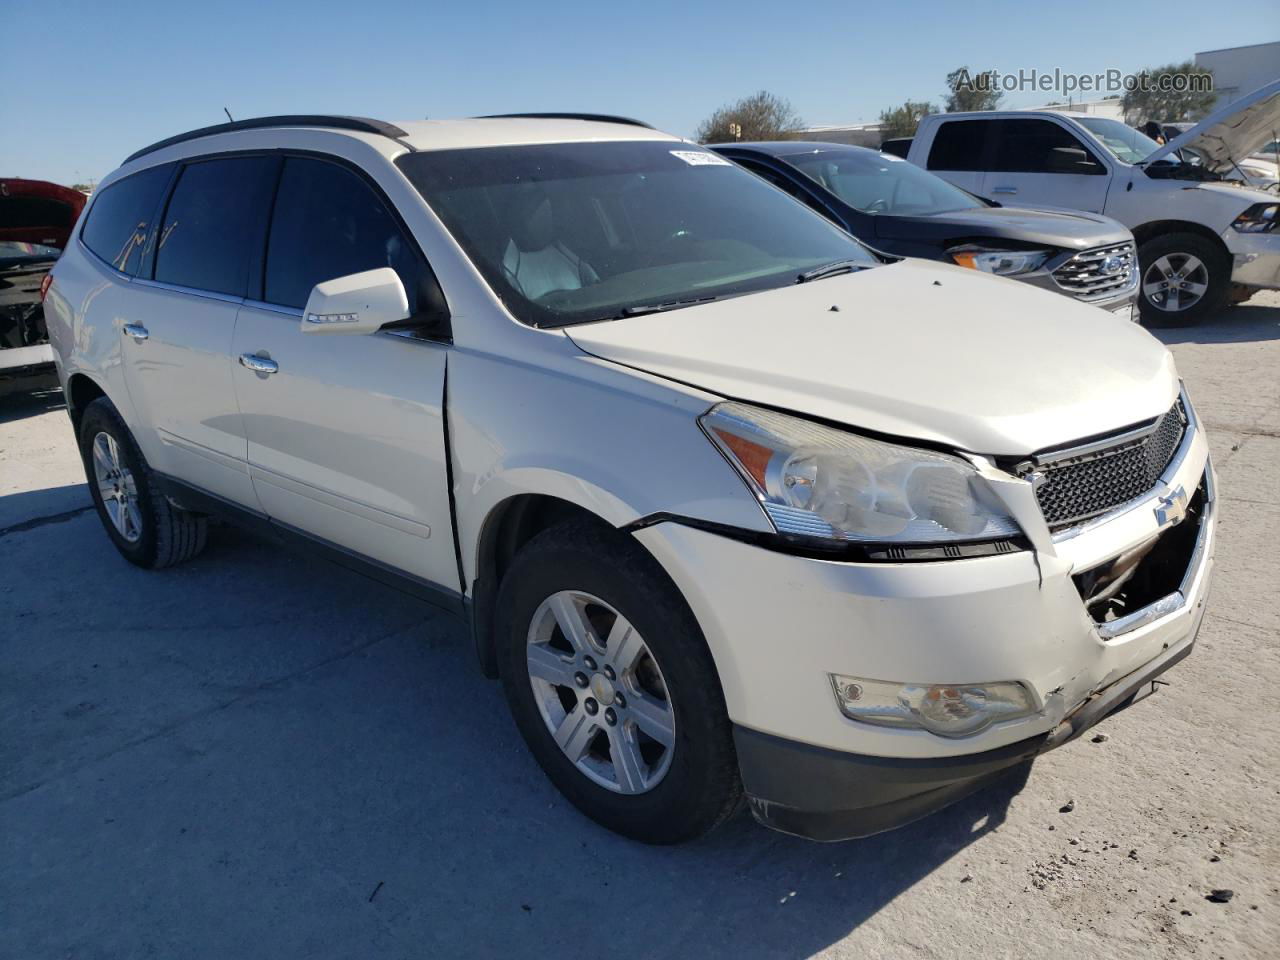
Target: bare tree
x,y
761,116
902,121
1175,91
967,91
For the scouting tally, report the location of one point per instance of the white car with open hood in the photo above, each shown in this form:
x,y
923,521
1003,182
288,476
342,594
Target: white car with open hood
x,y
734,506
1200,228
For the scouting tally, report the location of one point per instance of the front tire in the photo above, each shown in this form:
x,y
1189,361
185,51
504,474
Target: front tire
x,y
144,526
612,686
1184,278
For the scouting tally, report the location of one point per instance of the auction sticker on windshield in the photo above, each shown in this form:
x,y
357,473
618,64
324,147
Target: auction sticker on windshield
x,y
701,158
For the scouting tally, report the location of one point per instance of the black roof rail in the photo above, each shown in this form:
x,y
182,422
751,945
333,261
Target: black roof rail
x,y
361,124
597,117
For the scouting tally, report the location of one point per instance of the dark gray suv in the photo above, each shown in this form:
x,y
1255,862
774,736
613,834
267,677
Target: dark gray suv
x,y
900,209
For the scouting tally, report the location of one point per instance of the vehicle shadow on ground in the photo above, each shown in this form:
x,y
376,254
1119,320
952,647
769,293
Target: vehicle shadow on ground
x,y
1240,324
23,397
258,751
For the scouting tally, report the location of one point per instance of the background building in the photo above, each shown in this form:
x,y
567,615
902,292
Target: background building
x,y
1241,70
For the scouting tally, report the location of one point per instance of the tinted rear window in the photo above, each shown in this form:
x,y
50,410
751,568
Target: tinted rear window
x,y
34,212
329,223
212,222
958,145
118,221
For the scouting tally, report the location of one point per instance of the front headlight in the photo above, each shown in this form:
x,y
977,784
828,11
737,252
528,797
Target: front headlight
x,y
1004,263
817,481
947,709
1260,218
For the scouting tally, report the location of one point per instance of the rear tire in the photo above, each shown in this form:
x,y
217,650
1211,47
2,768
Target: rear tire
x,y
675,793
1183,278
145,527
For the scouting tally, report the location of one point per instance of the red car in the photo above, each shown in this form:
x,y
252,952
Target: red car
x,y
34,211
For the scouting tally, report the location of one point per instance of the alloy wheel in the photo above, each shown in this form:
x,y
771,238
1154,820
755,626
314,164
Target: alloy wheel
x,y
1175,282
600,692
117,488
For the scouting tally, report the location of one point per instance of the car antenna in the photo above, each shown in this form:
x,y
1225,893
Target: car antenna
x,y
228,113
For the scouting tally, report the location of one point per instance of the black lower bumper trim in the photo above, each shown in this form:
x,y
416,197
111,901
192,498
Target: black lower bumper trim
x,y
830,795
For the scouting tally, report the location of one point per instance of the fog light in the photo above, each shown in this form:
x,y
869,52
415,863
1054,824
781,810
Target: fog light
x,y
946,709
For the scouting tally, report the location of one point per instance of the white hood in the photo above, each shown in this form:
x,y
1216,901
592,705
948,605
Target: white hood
x,y
1231,133
914,349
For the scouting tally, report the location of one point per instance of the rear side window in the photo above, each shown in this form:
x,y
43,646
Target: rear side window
x,y
329,223
119,220
213,220
958,145
1040,146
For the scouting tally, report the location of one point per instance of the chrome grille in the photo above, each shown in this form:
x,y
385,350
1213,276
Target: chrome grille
x,y
1100,272
1075,487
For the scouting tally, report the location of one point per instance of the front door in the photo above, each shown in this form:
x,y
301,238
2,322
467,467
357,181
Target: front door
x,y
1037,162
176,340
345,433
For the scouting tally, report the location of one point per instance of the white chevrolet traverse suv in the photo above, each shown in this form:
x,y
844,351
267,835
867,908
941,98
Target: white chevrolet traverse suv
x,y
732,505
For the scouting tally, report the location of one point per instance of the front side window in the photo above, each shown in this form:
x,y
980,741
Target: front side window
x,y
573,232
877,183
1040,146
211,224
119,220
329,223
1120,139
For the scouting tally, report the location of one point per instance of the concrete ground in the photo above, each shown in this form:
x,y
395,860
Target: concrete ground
x,y
259,755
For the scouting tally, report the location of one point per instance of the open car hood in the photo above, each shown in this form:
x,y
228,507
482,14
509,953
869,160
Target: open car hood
x,y
914,349
1231,133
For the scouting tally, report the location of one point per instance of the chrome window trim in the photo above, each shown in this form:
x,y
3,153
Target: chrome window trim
x,y
274,308
1152,495
189,291
1189,586
119,274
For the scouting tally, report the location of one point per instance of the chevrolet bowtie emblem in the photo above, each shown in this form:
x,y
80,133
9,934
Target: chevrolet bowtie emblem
x,y
1171,509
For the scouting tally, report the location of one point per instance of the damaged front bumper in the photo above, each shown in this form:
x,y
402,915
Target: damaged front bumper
x,y
829,795
1052,618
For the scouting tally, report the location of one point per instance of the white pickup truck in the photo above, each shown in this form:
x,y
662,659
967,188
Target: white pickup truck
x,y
1199,229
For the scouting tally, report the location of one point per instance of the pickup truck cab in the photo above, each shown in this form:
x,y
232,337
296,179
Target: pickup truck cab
x,y
1199,228
732,505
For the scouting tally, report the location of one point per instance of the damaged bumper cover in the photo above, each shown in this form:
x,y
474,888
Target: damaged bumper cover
x,y
829,795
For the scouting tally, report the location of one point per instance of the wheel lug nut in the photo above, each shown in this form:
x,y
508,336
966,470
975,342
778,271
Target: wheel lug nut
x,y
580,679
608,672
591,706
589,663
619,699
610,717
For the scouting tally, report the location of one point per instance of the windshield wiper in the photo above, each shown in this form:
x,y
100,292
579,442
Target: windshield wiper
x,y
832,269
642,309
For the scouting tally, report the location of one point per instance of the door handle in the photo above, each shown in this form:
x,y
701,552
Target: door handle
x,y
258,364
137,331
1004,189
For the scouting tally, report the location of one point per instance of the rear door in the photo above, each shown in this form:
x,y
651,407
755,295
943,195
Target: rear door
x,y
1040,162
177,334
346,434
958,152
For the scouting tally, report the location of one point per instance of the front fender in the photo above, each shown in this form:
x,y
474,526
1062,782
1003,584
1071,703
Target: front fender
x,y
617,444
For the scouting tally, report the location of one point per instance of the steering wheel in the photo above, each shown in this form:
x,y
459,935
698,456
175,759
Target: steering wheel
x,y
878,206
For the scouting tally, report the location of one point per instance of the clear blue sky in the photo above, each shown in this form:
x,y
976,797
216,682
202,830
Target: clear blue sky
x,y
87,83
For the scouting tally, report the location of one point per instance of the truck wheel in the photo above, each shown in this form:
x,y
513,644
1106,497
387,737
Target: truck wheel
x,y
1184,279
612,686
145,527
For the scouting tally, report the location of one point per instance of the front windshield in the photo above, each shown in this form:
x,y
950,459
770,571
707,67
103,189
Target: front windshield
x,y
572,232
1124,142
873,182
